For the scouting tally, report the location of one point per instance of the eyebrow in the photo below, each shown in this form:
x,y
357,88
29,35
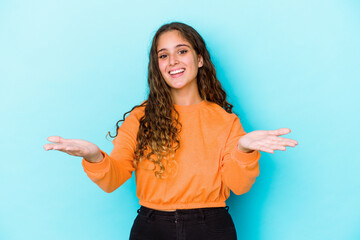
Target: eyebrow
x,y
179,45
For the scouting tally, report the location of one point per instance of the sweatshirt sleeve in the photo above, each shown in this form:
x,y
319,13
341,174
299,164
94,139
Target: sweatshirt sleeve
x,y
116,168
238,169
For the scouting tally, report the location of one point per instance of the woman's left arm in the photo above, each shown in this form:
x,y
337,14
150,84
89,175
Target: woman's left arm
x,y
240,162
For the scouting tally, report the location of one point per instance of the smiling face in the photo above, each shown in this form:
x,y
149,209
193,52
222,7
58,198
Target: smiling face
x,y
178,62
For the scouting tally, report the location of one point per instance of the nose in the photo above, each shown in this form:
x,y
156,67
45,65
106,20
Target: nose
x,y
173,59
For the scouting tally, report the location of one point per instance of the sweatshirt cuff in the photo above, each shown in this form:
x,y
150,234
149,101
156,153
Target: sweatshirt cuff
x,y
244,157
97,166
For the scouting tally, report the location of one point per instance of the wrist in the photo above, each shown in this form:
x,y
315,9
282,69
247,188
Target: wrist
x,y
243,149
95,159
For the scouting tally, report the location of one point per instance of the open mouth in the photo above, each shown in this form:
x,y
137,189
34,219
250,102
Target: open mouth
x,y
177,73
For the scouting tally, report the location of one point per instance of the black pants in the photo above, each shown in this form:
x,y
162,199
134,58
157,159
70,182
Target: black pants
x,y
189,224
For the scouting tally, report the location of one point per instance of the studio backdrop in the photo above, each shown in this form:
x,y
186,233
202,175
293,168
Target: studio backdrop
x,y
73,68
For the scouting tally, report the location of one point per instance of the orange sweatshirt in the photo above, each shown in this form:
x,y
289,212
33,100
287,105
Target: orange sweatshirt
x,y
209,164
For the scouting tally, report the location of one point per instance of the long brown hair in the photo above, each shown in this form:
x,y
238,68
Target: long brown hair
x,y
159,129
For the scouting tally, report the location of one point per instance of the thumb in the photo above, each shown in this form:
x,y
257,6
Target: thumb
x,y
57,139
280,131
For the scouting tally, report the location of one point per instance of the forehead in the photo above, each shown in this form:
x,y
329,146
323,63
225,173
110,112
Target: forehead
x,y
171,39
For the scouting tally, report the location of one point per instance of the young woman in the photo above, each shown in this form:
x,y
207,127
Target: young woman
x,y
187,148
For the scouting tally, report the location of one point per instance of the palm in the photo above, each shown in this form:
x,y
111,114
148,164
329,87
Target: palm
x,y
74,147
267,141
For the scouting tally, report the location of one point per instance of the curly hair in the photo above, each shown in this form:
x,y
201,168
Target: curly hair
x,y
158,135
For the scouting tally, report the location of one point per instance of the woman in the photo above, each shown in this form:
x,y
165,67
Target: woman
x,y
187,148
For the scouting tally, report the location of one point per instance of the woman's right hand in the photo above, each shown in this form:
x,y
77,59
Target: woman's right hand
x,y
75,147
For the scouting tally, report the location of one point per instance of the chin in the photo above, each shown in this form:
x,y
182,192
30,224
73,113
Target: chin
x,y
177,87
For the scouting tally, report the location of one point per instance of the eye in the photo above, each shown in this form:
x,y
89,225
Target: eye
x,y
183,51
162,56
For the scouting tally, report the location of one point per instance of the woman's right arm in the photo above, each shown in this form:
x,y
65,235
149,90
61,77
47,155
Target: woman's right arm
x,y
108,171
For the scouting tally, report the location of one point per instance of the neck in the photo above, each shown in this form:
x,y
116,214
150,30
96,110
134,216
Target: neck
x,y
184,97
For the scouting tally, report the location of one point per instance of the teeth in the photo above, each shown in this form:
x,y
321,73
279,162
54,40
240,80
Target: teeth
x,y
177,71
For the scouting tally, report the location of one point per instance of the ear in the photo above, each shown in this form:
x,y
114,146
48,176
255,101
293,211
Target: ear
x,y
200,61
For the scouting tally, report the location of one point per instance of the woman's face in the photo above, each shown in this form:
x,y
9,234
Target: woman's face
x,y
178,61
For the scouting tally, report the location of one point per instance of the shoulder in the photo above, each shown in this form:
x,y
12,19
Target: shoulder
x,y
131,120
218,113
138,111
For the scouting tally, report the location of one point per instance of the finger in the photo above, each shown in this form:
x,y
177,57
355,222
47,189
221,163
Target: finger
x,y
281,141
287,140
280,131
58,146
74,151
290,144
49,146
266,149
278,147
274,146
282,138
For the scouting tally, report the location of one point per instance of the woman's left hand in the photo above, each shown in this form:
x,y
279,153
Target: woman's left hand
x,y
266,141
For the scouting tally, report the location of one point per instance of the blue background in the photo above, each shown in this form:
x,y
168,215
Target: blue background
x,y
73,68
